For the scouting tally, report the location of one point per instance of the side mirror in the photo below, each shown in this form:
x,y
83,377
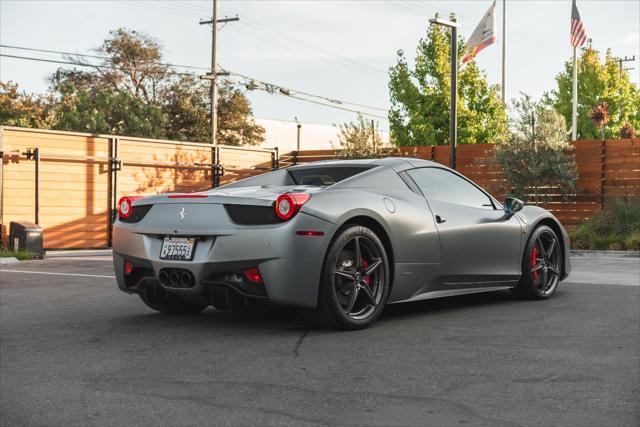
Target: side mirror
x,y
512,205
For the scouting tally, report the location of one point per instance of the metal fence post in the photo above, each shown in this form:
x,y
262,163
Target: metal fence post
x,y
216,175
603,160
36,156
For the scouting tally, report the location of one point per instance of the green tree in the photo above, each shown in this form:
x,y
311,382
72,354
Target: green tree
x,y
360,140
236,125
131,92
186,104
107,111
537,156
597,82
25,110
419,112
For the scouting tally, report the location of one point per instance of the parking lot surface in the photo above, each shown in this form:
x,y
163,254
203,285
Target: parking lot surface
x,y
74,350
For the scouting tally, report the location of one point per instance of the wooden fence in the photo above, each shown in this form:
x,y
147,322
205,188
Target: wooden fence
x,y
606,169
69,183
80,177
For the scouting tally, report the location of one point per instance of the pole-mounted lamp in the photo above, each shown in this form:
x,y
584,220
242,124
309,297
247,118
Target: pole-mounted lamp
x,y
453,122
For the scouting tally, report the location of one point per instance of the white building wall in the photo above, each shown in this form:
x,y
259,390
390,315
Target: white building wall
x,y
282,134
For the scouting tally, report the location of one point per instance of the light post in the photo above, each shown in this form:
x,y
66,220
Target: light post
x,y
453,121
299,125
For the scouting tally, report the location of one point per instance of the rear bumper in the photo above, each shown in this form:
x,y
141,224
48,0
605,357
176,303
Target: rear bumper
x,y
290,265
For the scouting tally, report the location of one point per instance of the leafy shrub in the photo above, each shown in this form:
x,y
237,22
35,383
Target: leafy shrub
x,y
537,158
617,227
362,140
20,255
627,131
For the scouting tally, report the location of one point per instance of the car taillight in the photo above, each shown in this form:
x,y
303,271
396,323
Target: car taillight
x,y
253,275
288,204
124,205
128,268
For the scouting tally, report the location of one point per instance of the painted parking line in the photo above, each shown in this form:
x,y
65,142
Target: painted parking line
x,y
59,274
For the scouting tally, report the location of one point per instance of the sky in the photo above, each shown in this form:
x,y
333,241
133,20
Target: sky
x,y
337,49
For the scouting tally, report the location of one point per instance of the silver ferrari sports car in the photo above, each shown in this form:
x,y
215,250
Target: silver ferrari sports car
x,y
338,239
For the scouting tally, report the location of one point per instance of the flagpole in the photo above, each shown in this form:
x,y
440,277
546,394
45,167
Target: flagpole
x,y
504,50
574,111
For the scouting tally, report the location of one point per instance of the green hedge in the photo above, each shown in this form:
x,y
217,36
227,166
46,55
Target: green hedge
x,y
617,227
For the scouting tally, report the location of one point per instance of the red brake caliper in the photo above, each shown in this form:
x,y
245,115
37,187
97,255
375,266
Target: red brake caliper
x,y
365,264
534,260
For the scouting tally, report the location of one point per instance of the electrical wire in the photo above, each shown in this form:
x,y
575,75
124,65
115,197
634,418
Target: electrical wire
x,y
80,64
267,35
248,78
84,55
84,64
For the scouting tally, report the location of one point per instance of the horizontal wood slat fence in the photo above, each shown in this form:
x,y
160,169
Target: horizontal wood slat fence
x,y
606,169
81,176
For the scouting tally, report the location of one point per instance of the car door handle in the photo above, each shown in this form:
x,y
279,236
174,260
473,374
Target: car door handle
x,y
440,219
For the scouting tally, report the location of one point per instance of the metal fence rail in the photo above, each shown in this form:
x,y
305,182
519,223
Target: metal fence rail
x,y
69,183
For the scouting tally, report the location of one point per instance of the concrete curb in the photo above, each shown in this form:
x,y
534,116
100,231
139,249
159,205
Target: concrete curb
x,y
617,254
78,253
9,260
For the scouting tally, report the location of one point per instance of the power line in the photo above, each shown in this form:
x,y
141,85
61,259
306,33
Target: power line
x,y
325,98
313,101
273,37
83,64
106,58
80,64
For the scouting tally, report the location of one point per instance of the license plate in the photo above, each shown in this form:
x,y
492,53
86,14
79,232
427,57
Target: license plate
x,y
177,248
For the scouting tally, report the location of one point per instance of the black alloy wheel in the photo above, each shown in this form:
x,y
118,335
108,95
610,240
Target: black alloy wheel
x,y
541,265
355,280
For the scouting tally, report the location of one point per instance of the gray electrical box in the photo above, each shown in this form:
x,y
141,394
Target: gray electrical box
x,y
26,236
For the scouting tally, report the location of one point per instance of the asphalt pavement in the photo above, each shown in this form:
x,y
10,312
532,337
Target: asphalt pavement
x,y
74,350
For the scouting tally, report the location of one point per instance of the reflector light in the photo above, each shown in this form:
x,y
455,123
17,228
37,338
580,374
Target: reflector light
x,y
128,268
288,204
310,233
253,275
188,196
124,205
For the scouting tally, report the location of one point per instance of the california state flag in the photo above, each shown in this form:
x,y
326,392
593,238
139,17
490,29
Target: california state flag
x,y
483,36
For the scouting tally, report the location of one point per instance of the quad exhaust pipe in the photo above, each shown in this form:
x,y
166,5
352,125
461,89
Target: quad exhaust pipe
x,y
176,278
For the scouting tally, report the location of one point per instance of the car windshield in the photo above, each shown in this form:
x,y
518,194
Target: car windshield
x,y
325,176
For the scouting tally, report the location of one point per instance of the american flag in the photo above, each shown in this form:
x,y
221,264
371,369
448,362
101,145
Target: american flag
x,y
578,31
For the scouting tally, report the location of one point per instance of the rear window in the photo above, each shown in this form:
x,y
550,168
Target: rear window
x,y
325,176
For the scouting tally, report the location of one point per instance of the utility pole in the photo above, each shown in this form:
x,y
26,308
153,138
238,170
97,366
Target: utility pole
x,y
626,59
574,98
213,75
504,51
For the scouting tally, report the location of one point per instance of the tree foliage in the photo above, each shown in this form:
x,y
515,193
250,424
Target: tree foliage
x,y
597,82
131,92
360,140
420,104
536,157
22,109
234,111
107,111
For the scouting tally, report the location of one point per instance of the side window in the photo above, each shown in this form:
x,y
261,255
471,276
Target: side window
x,y
442,185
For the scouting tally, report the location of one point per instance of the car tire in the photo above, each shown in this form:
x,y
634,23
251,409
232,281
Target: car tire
x,y
166,302
335,290
542,263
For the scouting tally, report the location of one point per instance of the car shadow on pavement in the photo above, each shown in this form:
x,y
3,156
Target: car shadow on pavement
x,y
449,304
279,318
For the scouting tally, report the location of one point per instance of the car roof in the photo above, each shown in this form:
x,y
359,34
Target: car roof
x,y
397,163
